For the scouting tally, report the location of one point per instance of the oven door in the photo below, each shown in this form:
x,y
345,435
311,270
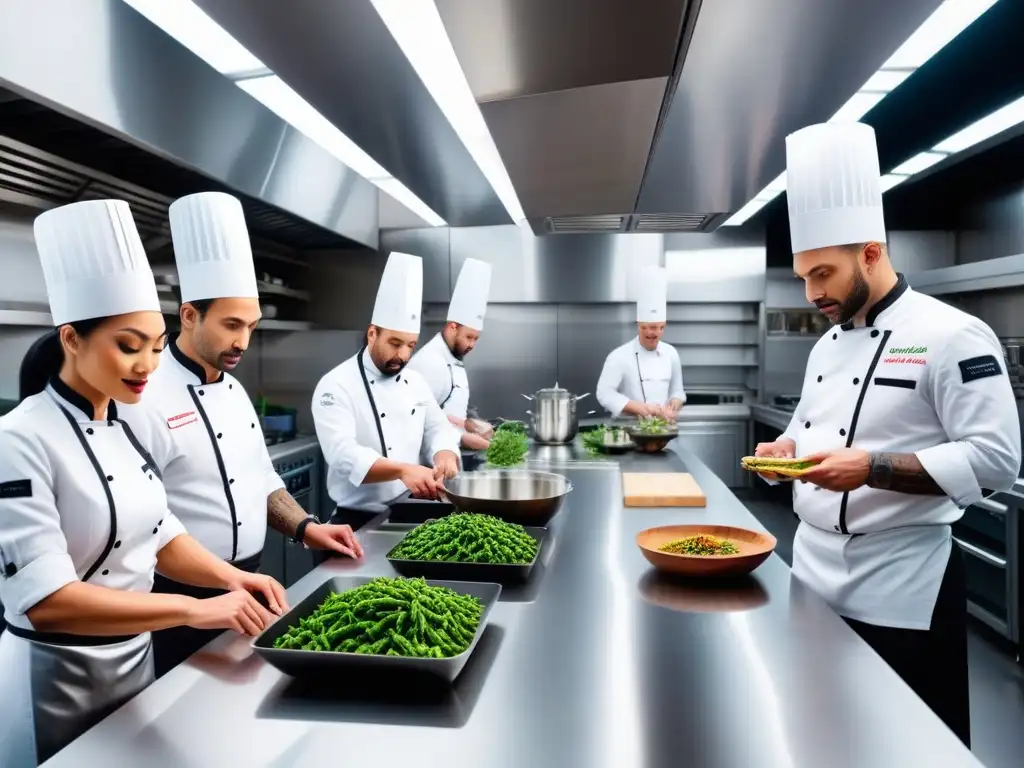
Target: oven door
x,y
301,484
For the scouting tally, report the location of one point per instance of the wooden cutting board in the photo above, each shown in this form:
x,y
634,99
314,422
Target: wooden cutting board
x,y
662,489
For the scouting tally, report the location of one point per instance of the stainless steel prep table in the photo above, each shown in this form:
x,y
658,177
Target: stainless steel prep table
x,y
583,667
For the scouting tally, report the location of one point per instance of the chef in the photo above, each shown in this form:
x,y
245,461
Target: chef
x,y
643,377
83,514
908,411
440,361
220,480
376,419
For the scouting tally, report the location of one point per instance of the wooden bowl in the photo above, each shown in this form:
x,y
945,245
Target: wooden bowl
x,y
754,548
730,594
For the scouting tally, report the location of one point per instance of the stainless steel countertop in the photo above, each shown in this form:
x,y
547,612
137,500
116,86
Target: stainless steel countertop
x,y
597,663
768,414
725,412
279,451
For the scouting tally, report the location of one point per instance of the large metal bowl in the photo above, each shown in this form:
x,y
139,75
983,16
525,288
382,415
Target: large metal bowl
x,y
518,496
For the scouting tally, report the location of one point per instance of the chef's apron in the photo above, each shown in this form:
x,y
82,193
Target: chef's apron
x,y
173,645
53,691
655,373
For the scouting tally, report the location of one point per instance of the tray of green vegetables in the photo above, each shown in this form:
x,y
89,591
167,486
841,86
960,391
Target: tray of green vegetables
x,y
386,625
469,547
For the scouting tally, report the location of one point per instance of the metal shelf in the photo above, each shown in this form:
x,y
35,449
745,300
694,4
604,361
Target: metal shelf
x,y
26,317
270,289
1005,272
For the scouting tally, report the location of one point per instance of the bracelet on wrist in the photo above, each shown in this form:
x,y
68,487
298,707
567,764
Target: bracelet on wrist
x,y
300,529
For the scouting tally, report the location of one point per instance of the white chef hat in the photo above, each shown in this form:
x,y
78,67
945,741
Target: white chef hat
x,y
834,186
469,299
400,294
93,262
652,305
211,248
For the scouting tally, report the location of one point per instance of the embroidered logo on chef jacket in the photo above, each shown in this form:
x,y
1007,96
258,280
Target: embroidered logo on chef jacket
x,y
326,399
16,489
182,420
979,368
912,355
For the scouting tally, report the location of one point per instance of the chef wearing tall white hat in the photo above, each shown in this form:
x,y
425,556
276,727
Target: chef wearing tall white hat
x,y
440,360
644,377
84,520
220,480
908,414
376,419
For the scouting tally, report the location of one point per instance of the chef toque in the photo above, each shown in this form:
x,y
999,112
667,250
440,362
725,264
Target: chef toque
x,y
469,299
211,248
400,294
93,262
834,186
651,307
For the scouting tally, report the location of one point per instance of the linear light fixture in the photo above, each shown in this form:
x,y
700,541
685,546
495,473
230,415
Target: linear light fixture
x,y
193,28
949,20
419,31
995,123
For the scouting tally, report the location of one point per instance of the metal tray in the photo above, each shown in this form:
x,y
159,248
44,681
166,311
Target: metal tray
x,y
315,664
484,572
406,509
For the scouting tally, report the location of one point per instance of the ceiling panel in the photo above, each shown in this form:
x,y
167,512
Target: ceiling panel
x,y
580,151
511,48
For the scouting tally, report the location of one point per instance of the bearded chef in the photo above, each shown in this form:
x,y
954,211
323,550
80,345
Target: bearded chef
x,y
644,377
440,361
220,480
907,411
375,419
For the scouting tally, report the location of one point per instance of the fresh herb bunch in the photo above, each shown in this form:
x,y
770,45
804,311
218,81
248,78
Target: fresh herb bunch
x,y
653,425
516,427
389,617
507,448
468,538
599,438
700,545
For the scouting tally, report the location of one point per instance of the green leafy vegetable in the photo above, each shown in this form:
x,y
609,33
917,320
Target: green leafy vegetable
x,y
468,538
702,544
516,427
389,617
507,448
595,440
654,425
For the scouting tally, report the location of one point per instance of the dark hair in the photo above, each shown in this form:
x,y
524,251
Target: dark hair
x,y
202,306
45,357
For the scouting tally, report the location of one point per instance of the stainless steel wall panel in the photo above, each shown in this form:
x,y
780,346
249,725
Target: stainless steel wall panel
x,y
702,334
343,287
915,251
586,334
432,244
995,227
716,356
104,64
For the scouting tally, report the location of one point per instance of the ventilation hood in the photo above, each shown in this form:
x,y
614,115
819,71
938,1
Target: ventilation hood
x,y
95,101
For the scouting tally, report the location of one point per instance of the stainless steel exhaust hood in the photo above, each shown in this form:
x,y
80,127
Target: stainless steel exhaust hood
x,y
111,84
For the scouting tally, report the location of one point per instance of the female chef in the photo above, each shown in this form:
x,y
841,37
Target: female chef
x,y
83,514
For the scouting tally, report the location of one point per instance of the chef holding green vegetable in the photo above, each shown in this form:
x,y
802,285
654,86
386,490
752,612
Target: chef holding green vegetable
x,y
643,377
374,418
440,361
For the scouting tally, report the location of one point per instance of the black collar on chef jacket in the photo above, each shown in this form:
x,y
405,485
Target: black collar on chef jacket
x,y
882,304
188,363
80,402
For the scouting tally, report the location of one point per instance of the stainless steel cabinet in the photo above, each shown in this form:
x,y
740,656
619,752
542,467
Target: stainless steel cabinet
x,y
720,444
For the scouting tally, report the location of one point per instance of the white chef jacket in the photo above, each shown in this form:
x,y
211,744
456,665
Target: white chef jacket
x,y
920,377
80,500
632,372
413,426
445,375
211,451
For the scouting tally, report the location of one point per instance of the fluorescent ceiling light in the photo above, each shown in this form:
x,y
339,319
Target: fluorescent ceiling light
x,y
417,28
919,162
191,27
949,20
890,180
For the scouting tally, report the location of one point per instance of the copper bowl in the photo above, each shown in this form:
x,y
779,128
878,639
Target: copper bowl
x,y
754,548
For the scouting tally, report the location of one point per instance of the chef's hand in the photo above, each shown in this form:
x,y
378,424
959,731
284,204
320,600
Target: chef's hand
x,y
672,410
237,610
783,448
844,469
651,411
260,585
421,482
446,466
475,442
333,538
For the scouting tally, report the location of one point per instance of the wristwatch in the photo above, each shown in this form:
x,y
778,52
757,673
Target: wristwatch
x,y
880,473
300,530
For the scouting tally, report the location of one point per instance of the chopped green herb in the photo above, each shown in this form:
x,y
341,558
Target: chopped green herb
x,y
507,448
468,538
700,545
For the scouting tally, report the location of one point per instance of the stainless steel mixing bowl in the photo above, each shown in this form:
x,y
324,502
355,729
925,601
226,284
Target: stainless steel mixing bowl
x,y
519,496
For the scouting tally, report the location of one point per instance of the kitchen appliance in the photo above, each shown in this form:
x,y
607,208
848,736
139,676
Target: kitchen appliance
x,y
553,418
1012,356
522,496
299,464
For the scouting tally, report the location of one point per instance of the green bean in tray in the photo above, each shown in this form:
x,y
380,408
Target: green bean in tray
x,y
390,617
507,448
468,538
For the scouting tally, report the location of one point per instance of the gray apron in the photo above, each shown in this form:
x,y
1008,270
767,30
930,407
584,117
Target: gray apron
x,y
51,692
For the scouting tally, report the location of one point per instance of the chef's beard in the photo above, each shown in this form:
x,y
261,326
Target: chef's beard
x,y
388,366
216,359
854,302
457,352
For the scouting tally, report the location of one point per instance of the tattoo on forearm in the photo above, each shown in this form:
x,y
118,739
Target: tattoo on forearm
x,y
903,473
283,512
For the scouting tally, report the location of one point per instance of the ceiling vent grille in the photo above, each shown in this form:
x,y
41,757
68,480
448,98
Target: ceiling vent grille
x,y
577,224
669,222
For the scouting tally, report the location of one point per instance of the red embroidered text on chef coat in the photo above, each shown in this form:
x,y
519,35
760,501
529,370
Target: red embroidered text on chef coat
x,y
182,420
